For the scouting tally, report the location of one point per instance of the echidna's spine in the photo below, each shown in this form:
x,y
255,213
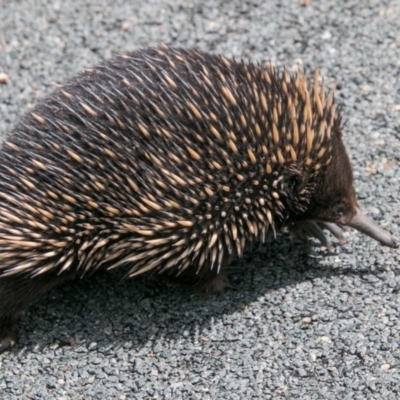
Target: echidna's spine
x,y
161,160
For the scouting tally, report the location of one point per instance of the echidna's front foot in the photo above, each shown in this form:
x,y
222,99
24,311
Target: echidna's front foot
x,y
8,333
303,229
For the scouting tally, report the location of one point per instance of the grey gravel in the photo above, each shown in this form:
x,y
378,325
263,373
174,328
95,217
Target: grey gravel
x,y
303,323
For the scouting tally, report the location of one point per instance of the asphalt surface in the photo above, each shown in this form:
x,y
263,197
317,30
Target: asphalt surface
x,y
303,323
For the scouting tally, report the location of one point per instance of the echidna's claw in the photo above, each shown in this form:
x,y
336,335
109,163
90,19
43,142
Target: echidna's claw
x,y
336,230
303,229
315,230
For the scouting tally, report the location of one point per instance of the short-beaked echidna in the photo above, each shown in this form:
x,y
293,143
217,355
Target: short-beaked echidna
x,y
167,161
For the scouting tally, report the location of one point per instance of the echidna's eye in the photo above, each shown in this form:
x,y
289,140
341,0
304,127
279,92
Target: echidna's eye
x,y
294,181
339,209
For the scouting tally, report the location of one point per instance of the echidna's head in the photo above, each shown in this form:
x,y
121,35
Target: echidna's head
x,y
334,199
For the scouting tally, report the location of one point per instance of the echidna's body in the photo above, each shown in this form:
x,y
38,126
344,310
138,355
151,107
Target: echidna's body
x,y
167,161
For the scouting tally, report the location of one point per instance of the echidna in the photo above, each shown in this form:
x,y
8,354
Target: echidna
x,y
167,161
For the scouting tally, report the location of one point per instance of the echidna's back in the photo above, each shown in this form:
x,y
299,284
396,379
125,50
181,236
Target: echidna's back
x,y
157,159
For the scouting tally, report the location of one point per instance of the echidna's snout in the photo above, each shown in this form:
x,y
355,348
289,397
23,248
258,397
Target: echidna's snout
x,y
367,226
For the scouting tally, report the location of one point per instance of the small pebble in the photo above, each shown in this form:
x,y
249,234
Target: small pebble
x,y
3,77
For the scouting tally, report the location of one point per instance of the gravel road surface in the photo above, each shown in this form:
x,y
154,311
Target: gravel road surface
x,y
303,323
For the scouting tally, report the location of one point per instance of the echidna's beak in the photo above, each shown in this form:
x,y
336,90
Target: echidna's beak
x,y
365,225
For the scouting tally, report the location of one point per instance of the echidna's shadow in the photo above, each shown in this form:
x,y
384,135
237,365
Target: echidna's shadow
x,y
111,312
